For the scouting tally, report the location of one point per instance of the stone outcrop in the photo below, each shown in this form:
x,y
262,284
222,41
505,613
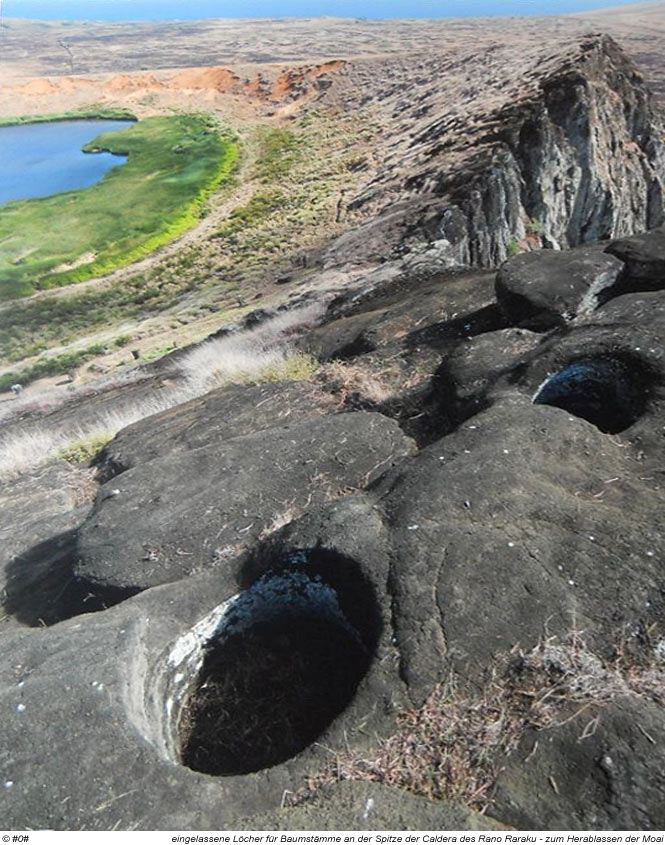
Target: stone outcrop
x,y
643,260
569,152
147,682
546,289
593,774
202,506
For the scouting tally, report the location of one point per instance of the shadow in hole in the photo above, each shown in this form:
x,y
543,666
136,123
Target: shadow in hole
x,y
289,661
609,391
42,588
447,334
361,345
429,413
355,593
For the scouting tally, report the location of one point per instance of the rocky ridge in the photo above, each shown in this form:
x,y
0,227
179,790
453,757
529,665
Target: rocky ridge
x,y
272,84
560,151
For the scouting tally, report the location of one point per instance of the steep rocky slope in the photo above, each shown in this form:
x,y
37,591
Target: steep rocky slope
x,y
453,157
556,152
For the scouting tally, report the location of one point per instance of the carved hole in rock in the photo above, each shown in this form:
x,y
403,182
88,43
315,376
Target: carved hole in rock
x,y
610,391
284,661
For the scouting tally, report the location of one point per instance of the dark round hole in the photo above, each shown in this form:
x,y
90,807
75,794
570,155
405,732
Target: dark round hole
x,y
609,391
283,664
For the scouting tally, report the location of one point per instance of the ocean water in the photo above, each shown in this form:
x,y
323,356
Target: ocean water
x,y
39,159
114,10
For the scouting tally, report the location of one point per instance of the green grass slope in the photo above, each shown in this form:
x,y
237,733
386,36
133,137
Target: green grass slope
x,y
174,163
95,112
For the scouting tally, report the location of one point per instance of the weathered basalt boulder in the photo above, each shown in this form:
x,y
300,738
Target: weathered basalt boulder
x,y
219,415
604,765
511,526
371,806
643,257
181,514
131,681
548,288
39,515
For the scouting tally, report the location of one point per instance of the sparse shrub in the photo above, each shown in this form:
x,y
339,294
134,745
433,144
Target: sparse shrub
x,y
296,366
7,379
122,340
513,247
357,162
78,451
353,384
278,150
95,349
535,227
260,206
159,353
55,365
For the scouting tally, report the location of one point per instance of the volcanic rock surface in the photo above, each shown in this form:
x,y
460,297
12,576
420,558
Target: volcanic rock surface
x,y
557,152
519,518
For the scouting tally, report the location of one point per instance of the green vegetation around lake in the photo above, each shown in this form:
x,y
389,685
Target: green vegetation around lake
x,y
296,175
95,112
174,164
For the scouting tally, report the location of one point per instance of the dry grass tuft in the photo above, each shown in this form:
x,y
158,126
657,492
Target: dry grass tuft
x,y
44,400
452,746
261,354
352,384
297,366
84,486
22,451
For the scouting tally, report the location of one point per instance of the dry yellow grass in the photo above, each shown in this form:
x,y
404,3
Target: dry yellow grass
x,y
261,354
452,746
352,384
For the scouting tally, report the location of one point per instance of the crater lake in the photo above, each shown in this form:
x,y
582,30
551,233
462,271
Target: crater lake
x,y
40,159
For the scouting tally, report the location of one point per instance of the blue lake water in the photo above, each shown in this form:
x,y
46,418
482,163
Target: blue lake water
x,y
39,159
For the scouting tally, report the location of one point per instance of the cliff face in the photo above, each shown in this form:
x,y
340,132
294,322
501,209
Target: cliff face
x,y
574,154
